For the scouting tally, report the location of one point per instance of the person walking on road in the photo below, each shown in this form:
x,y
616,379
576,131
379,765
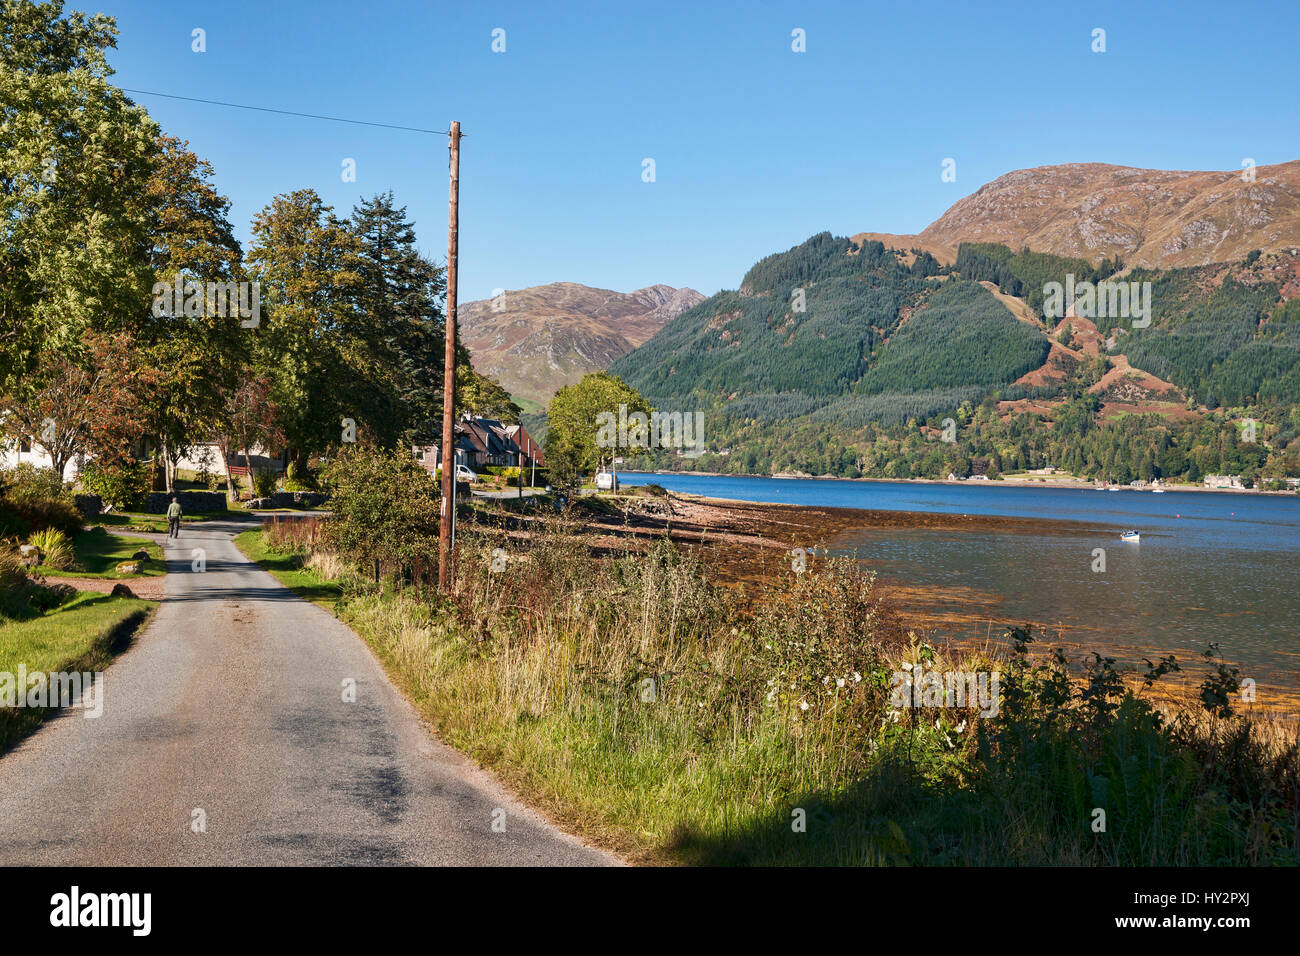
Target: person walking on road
x,y
174,519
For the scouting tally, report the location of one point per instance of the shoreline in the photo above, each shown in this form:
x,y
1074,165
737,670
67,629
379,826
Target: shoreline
x,y
745,544
1081,484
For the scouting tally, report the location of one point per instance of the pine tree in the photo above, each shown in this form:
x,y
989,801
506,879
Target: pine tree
x,y
401,293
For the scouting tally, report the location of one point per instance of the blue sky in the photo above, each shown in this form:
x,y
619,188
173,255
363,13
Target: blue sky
x,y
756,147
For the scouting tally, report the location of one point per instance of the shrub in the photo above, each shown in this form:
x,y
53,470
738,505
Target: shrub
x,y
384,507
263,482
56,549
31,499
121,486
21,597
26,482
13,574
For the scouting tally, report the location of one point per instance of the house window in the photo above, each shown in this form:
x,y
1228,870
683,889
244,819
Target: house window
x,y
24,446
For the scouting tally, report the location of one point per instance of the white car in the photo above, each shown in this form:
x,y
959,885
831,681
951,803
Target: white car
x,y
464,474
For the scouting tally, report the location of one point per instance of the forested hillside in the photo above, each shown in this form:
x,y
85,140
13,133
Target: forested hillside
x,y
1222,340
843,358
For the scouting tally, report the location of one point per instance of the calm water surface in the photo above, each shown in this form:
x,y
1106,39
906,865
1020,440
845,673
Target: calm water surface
x,y
1209,567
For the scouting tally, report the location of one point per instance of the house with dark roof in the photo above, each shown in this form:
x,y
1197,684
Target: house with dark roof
x,y
486,441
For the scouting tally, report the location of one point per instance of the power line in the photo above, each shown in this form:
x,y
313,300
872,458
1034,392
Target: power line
x,y
267,109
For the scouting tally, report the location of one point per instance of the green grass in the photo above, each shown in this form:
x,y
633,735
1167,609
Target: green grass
x,y
528,406
288,570
84,634
97,554
136,521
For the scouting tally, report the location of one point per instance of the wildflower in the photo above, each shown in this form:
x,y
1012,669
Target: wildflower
x,y
856,677
839,682
803,705
960,727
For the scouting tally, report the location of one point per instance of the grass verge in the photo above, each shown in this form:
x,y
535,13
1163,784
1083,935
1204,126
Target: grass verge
x,y
84,634
289,570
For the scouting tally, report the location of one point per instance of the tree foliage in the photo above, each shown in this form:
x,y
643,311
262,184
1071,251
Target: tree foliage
x,y
574,419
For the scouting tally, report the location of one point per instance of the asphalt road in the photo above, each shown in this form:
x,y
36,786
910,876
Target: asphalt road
x,y
231,703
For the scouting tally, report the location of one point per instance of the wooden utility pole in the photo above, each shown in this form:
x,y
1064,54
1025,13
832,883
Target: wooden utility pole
x,y
446,564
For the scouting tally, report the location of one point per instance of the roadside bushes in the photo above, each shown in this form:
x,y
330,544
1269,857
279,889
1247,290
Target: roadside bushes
x,y
385,508
263,482
296,479
31,499
21,597
122,486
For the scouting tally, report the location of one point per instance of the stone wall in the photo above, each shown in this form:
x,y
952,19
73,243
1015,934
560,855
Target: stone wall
x,y
289,499
191,502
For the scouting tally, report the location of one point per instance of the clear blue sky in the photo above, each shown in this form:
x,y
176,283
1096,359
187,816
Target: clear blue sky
x,y
756,147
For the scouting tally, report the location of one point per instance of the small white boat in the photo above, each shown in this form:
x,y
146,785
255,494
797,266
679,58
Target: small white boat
x,y
1130,536
1157,491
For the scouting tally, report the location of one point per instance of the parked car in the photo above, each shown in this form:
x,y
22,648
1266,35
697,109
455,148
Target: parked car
x,y
464,474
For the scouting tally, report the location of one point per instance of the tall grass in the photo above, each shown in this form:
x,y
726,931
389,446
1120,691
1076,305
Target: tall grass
x,y
55,547
635,701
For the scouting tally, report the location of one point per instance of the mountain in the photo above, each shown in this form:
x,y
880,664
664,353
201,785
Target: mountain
x,y
1149,217
538,339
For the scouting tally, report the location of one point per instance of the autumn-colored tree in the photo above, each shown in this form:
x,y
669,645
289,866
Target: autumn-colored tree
x,y
248,419
93,403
